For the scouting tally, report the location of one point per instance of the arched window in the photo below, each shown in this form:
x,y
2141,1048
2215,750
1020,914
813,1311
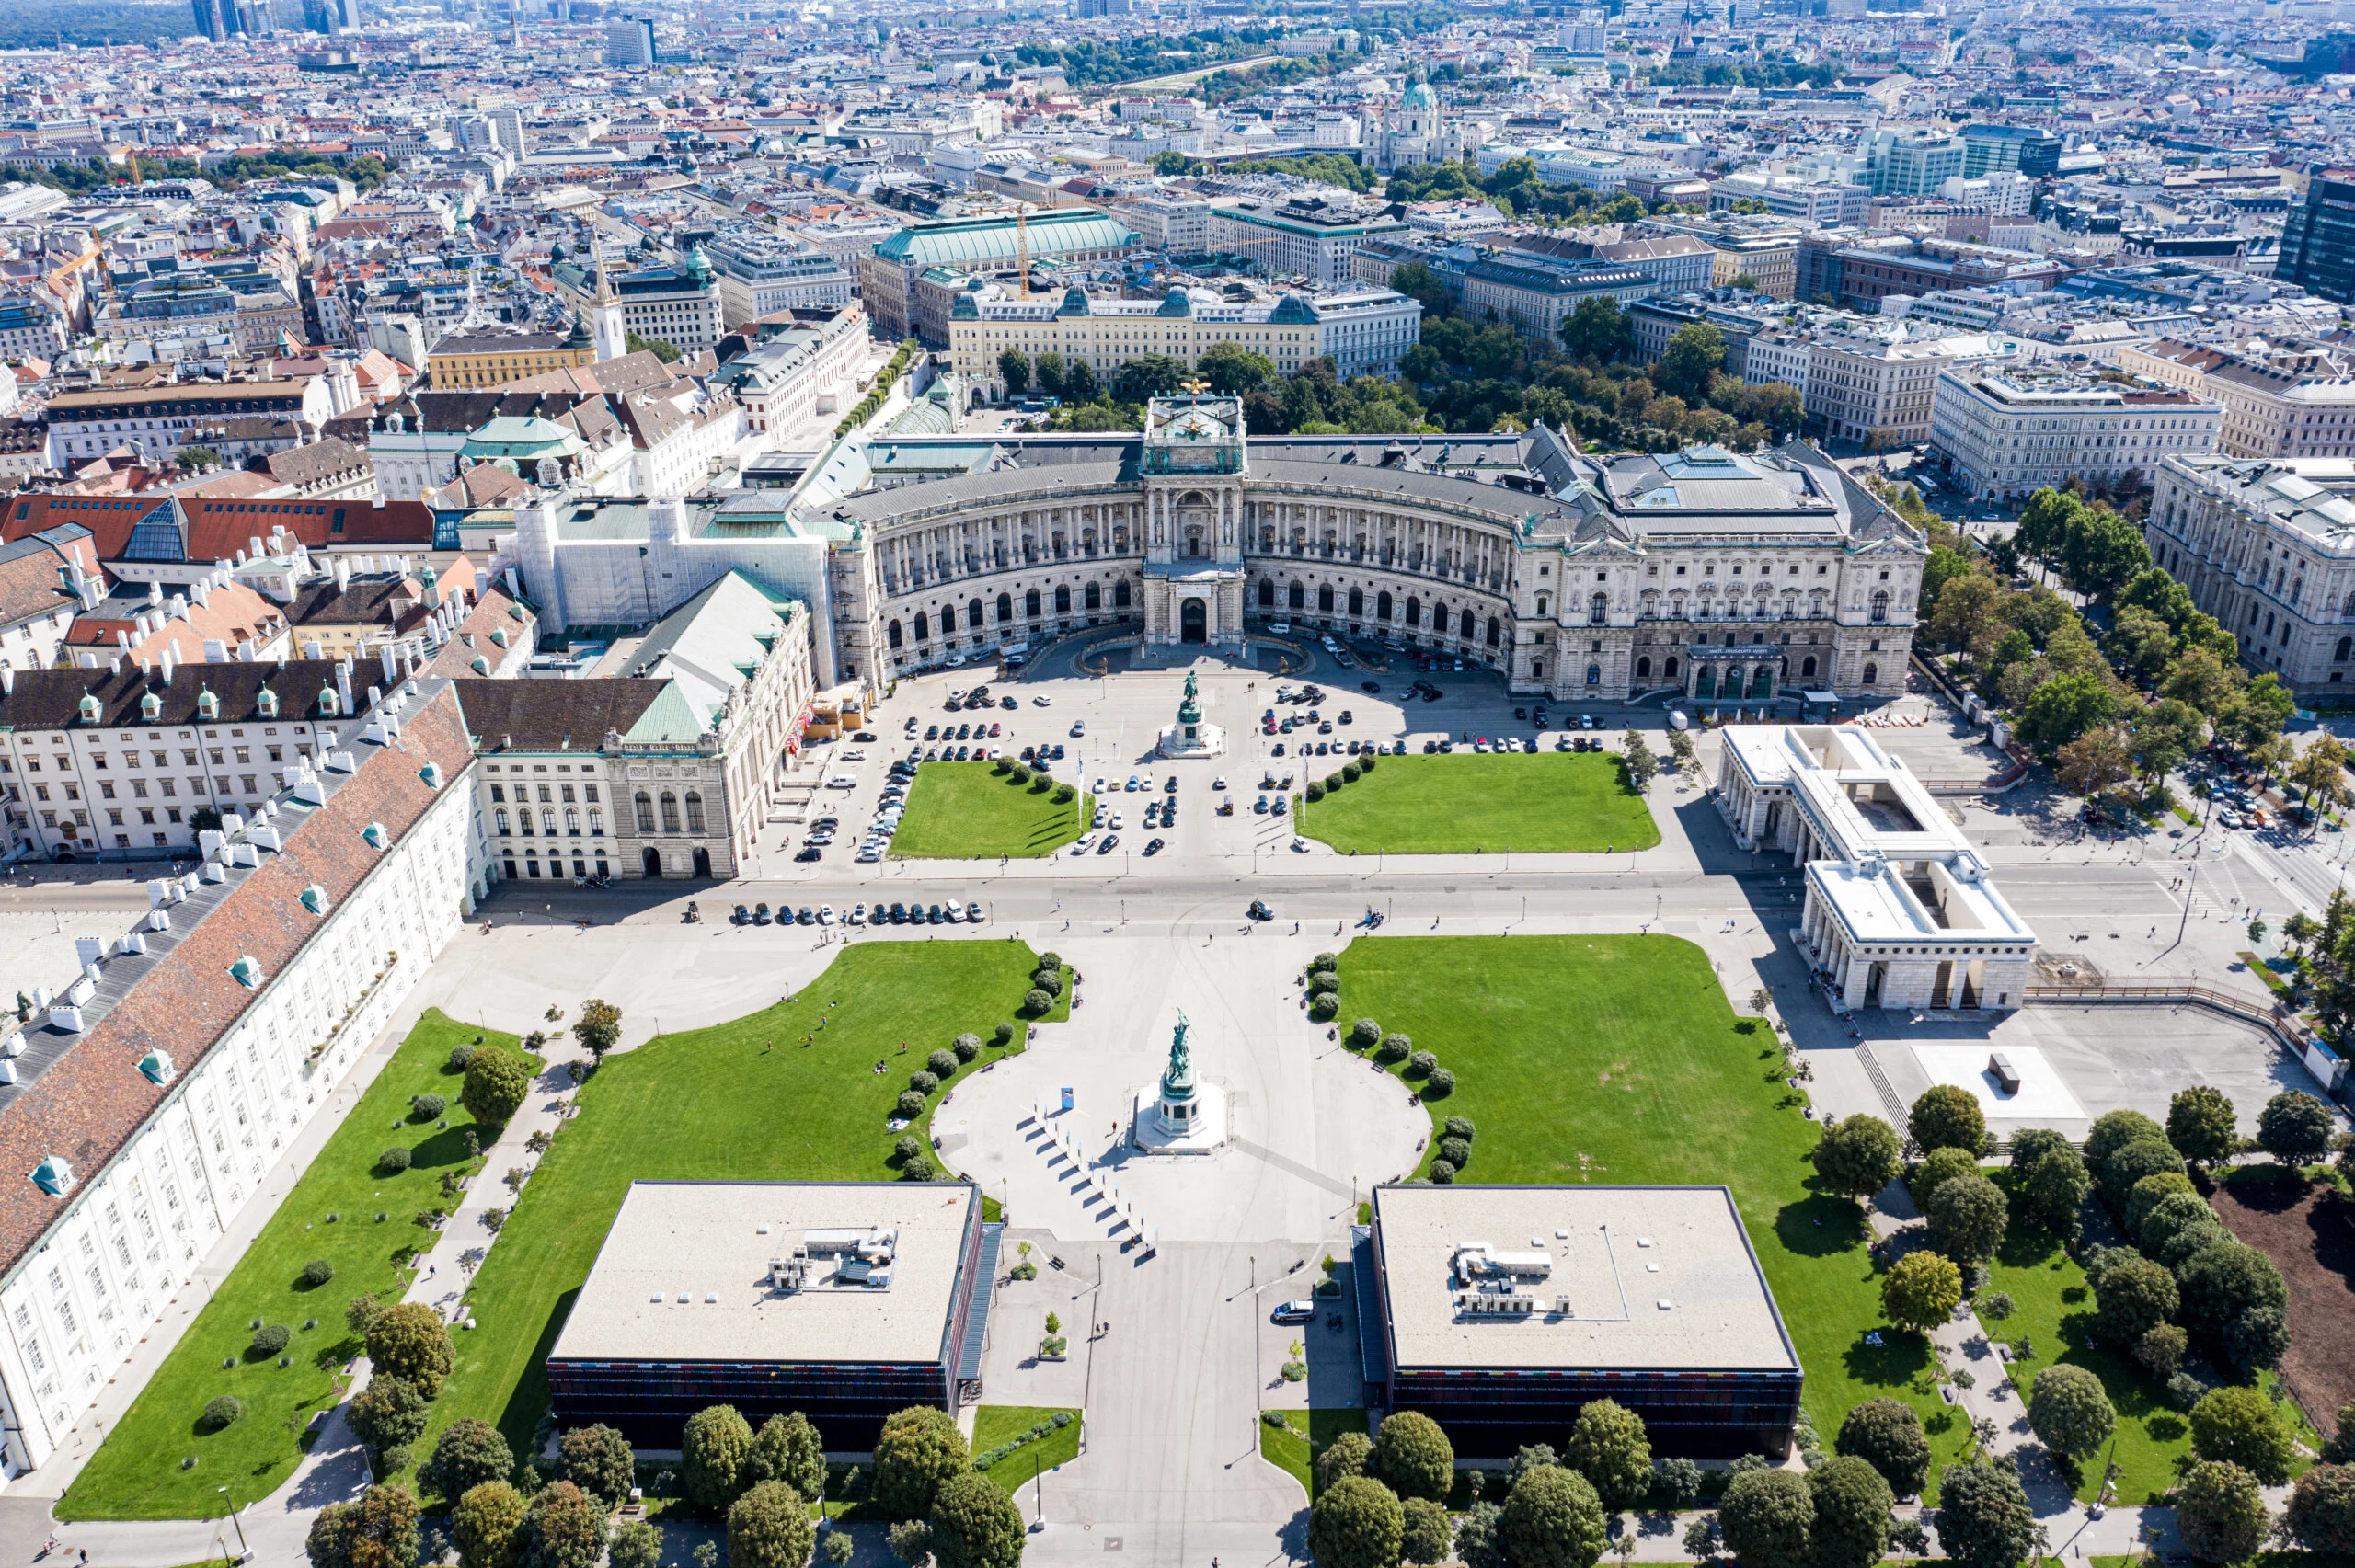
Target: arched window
x,y
923,628
1267,593
1030,604
1120,596
2345,645
1761,681
1092,597
547,820
947,620
504,831
1807,667
1005,608
670,812
1063,599
1872,674
1381,605
1705,681
1464,627
1496,630
571,822
1668,670
695,812
1542,603
645,812
1644,669
1880,606
1325,599
1298,596
596,821
1598,609
1357,603
891,634
1414,610
1594,675
973,616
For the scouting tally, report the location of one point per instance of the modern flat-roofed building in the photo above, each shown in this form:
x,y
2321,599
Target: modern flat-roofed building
x,y
844,1300
2010,431
1500,1312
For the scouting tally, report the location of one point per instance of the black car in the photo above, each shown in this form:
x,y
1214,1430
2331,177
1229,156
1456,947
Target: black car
x,y
864,737
932,732
1106,847
759,914
740,917
1170,787
1369,685
1007,702
1433,695
1028,753
932,915
1155,847
899,914
809,853
1259,911
1059,753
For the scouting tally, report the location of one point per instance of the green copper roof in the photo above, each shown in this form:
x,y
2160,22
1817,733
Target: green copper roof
x,y
963,242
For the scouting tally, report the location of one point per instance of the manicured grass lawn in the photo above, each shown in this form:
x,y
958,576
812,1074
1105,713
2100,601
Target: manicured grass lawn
x,y
745,1101
136,1473
1617,1059
1294,1451
963,810
1458,803
2055,1314
996,1424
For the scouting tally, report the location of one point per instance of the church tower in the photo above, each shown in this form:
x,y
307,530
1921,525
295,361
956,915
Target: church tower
x,y
606,318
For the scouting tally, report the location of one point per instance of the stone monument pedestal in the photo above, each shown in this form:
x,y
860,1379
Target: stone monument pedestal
x,y
1190,737
1203,1131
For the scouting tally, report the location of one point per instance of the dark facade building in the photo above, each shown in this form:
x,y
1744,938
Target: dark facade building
x,y
1500,1312
2031,150
2318,242
844,1300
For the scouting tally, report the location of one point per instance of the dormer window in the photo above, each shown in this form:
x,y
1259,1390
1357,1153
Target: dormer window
x,y
89,708
208,705
150,706
246,971
432,774
54,1175
376,836
315,899
266,700
157,1067
328,705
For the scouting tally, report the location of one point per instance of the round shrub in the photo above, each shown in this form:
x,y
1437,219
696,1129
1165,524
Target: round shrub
x,y
1421,1063
459,1057
1003,1035
908,1148
1456,1152
911,1106
923,1082
1947,1117
942,1064
1332,783
1049,981
967,1046
1461,1127
1886,1435
425,1107
393,1160
1322,1005
1440,1084
272,1338
1324,961
920,1169
1395,1048
1314,793
1323,980
1442,1173
1052,960
221,1410
1036,1000
1350,773
2320,1516
2149,1193
315,1273
1003,766
1018,774
1365,1033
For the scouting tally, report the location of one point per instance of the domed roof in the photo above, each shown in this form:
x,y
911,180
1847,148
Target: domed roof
x,y
1419,95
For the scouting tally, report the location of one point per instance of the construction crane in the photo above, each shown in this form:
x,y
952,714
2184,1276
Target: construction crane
x,y
1022,254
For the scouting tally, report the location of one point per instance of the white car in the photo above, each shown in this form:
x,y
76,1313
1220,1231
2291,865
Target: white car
x,y
856,754
1042,702
842,781
1281,628
868,854
857,915
952,912
1120,821
1084,843
825,914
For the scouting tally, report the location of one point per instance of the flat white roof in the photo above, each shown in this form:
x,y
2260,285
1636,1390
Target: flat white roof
x,y
1618,1253
704,1239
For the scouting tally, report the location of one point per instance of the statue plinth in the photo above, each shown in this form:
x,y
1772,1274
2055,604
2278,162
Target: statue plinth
x,y
1178,1115
1190,737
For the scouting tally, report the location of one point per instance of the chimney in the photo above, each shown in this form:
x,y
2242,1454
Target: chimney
x,y
171,661
253,545
155,593
7,681
342,573
392,665
343,682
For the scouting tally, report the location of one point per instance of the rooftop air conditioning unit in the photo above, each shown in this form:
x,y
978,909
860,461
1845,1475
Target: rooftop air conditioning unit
x,y
789,1274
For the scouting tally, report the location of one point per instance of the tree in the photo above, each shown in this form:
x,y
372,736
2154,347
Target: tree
x,y
2236,1426
1079,382
1608,1446
1014,369
2149,1156
1147,376
598,1460
975,1524
496,1083
2202,1126
662,349
1553,1519
2220,1512
1676,1481
2113,1130
2224,1279
2321,771
468,1453
2169,1218
711,1457
1851,1508
388,1413
2294,1127
1768,1518
2097,761
637,1544
919,1450
563,1527
1968,1217
2065,707
911,1542
1886,1435
1233,371
1856,1157
598,1029
488,1524
1697,352
786,1449
1347,1455
1920,1291
2254,716
1943,1165
1413,1458
2051,1187
1598,330
1426,1536
2134,1295
377,1530
1476,1537
769,1527
1048,368
1983,1517
2068,1411
2320,1516
411,1341
1357,1523
1946,1116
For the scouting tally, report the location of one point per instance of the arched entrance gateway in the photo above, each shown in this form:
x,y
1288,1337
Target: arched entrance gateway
x,y
1193,622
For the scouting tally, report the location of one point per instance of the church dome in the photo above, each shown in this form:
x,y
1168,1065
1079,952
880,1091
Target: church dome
x,y
1419,95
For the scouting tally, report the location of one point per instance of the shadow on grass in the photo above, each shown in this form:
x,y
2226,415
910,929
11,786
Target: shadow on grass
x,y
531,1398
447,1146
1820,1226
1894,1363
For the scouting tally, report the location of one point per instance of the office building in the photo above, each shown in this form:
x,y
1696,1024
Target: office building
x,y
629,40
2318,241
2006,433
2030,150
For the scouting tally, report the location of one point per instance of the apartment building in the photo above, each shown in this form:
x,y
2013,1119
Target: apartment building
x,y
489,357
2006,433
762,273
157,421
2269,549
1534,299
2292,405
1882,392
1303,239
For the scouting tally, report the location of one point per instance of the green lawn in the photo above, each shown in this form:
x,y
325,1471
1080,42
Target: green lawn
x,y
1294,1451
963,810
996,1424
136,1473
1455,804
745,1101
1617,1059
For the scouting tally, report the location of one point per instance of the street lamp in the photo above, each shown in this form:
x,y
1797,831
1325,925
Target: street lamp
x,y
244,1550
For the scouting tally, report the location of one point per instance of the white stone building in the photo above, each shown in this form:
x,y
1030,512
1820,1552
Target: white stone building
x,y
2006,433
2269,549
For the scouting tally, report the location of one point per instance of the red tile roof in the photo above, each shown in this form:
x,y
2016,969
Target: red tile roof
x,y
220,527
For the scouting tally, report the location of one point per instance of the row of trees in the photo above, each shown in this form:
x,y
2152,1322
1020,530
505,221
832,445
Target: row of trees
x,y
1517,190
